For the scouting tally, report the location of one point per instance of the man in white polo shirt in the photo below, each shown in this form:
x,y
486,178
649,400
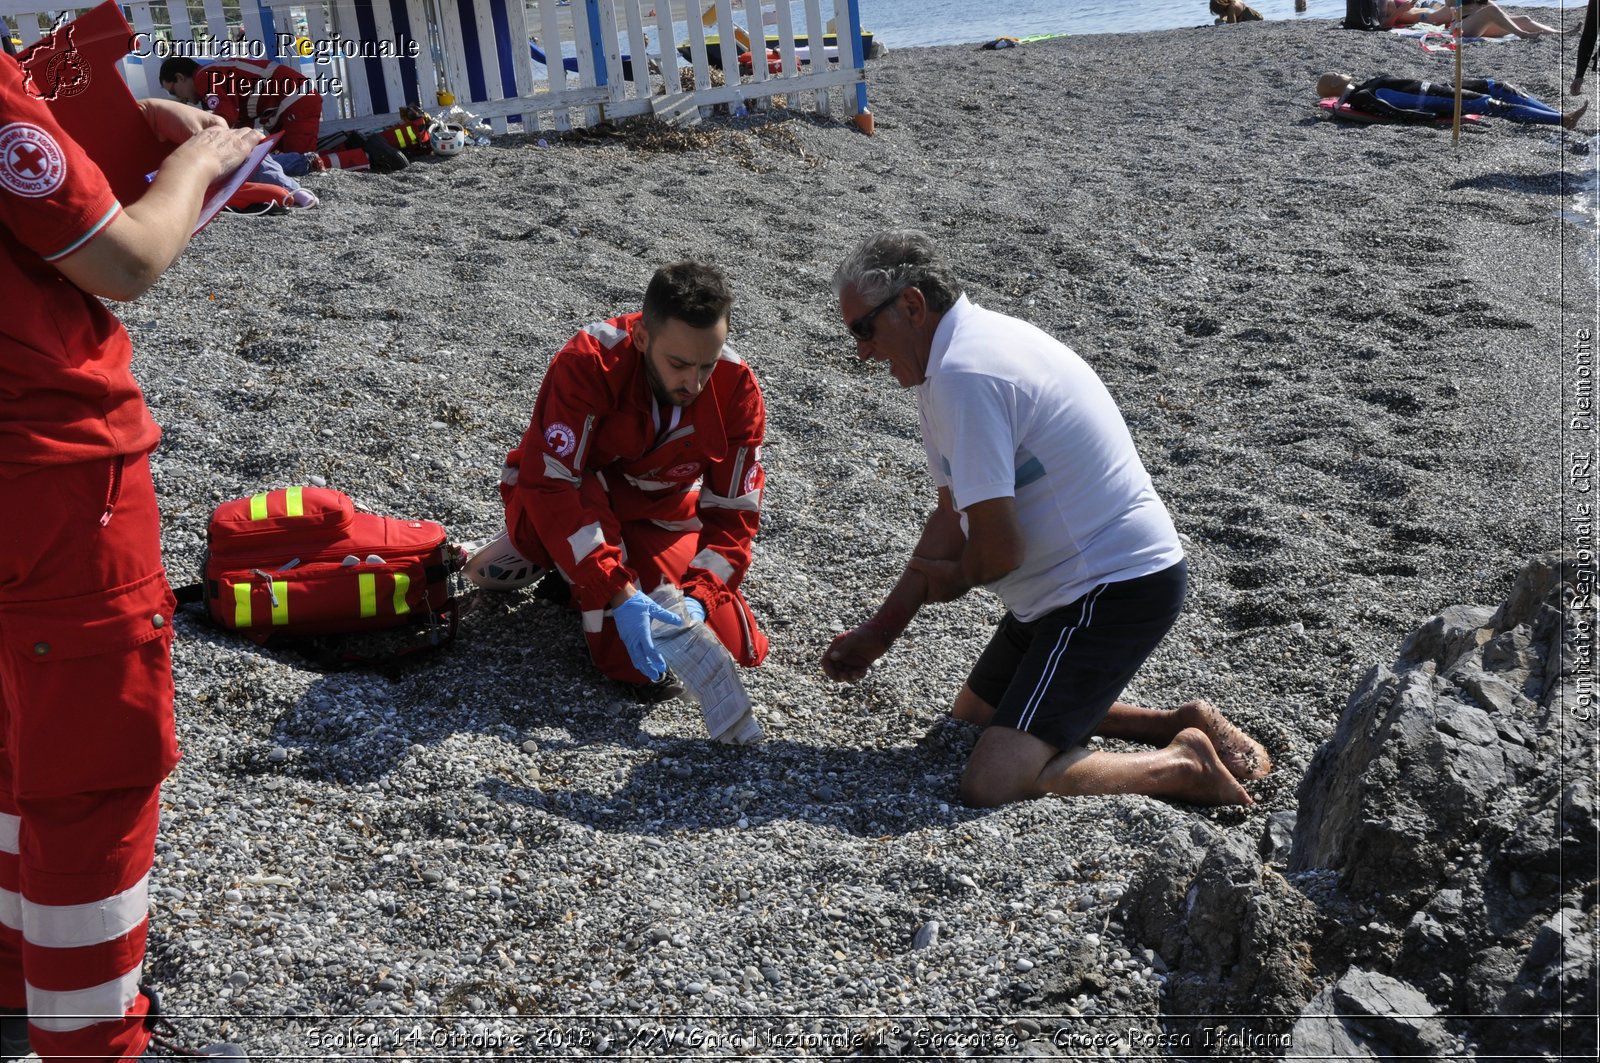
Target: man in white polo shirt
x,y
1043,500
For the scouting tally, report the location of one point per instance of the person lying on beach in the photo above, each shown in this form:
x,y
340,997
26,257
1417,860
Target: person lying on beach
x,y
1406,100
1479,18
1231,11
271,95
1043,500
641,468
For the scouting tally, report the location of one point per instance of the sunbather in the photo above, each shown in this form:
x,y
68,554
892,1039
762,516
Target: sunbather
x,y
1406,100
1230,11
1479,18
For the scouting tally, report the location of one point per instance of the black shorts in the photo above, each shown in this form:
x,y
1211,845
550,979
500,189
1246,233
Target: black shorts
x,y
1056,677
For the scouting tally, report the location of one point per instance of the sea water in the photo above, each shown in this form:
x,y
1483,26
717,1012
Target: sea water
x,y
923,23
914,23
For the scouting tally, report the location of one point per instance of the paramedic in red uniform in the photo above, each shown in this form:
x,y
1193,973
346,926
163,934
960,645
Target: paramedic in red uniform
x,y
642,465
244,92
86,695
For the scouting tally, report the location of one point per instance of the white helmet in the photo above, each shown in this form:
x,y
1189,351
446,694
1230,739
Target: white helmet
x,y
447,139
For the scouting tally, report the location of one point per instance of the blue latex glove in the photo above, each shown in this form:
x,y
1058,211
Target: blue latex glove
x,y
633,626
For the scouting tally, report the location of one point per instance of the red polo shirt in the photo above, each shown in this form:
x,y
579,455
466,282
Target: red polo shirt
x,y
67,392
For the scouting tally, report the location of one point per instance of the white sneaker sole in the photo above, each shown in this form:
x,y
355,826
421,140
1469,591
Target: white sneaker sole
x,y
499,566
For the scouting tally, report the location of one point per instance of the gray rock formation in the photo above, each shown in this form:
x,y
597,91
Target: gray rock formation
x,y
1440,880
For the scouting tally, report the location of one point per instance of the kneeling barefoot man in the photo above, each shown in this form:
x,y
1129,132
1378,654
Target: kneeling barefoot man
x,y
1042,499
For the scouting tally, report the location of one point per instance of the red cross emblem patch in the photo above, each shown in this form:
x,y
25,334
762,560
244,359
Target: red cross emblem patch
x,y
32,164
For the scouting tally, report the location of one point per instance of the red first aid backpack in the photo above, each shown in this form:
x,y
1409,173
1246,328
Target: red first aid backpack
x,y
304,561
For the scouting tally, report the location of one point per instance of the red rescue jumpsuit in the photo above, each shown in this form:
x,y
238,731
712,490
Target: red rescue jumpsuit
x,y
610,487
86,728
247,91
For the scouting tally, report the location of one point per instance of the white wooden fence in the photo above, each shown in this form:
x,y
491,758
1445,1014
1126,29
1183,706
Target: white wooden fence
x,y
478,52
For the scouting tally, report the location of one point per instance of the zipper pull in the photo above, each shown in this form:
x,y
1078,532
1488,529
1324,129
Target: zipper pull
x,y
272,591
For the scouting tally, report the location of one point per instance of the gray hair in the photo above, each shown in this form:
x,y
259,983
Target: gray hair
x,y
884,265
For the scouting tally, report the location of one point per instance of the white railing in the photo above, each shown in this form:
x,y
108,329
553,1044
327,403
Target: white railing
x,y
481,53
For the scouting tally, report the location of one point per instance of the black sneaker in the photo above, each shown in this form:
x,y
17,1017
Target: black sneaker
x,y
13,1034
162,1047
666,688
553,588
384,156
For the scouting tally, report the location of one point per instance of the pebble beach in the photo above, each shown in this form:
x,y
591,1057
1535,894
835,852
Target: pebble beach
x,y
1338,349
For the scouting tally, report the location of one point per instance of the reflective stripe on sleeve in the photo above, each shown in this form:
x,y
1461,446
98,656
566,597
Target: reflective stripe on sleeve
x,y
585,541
10,832
557,471
11,910
713,563
294,503
750,503
258,506
402,584
280,603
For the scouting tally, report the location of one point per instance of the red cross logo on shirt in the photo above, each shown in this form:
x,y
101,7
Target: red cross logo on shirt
x,y
32,164
29,160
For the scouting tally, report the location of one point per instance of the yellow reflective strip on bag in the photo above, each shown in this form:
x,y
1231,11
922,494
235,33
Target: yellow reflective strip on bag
x,y
368,582
294,505
280,603
258,506
402,583
241,605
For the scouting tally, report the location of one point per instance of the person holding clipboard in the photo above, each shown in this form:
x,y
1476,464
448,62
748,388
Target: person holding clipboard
x,y
86,689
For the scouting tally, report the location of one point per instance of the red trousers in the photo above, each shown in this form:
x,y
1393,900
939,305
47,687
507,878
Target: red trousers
x,y
86,736
300,123
656,555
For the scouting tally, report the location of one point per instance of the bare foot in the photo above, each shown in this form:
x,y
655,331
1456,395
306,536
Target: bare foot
x,y
1570,119
1210,782
1245,757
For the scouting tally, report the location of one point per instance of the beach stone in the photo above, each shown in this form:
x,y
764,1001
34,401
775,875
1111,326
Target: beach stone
x,y
1277,840
1371,1016
927,934
1424,860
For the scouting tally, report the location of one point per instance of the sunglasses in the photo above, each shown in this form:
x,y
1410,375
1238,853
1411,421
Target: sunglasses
x,y
862,328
